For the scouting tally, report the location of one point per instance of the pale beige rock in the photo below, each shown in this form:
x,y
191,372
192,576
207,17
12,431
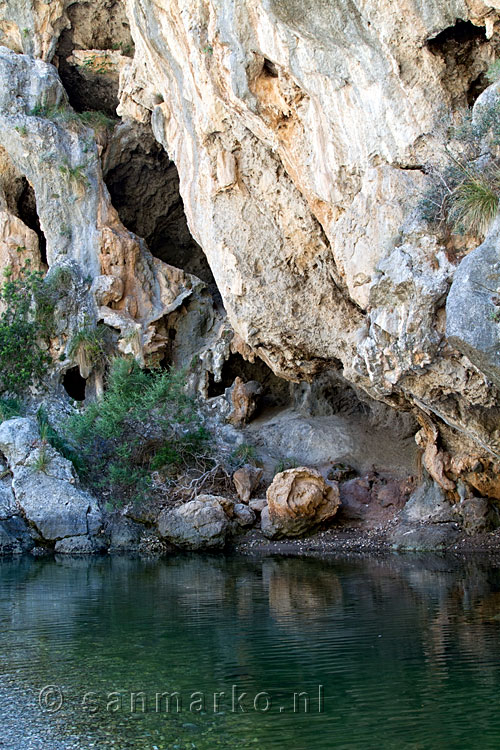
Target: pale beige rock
x,y
298,500
226,503
246,480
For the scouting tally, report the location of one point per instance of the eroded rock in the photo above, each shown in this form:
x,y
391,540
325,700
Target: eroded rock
x,y
246,480
44,484
298,501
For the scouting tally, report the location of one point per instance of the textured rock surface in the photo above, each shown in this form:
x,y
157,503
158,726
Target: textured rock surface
x,y
199,524
302,160
303,134
471,322
246,480
298,500
47,497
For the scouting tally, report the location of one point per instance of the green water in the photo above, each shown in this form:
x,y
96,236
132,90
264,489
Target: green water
x,y
392,653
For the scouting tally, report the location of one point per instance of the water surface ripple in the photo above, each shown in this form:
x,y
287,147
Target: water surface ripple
x,y
394,653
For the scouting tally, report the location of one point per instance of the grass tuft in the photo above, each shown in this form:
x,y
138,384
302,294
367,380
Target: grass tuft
x,y
474,203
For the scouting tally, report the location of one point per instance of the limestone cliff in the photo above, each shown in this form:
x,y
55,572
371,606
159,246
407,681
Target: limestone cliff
x,y
305,134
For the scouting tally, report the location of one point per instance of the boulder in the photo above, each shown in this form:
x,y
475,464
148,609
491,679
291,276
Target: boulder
x,y
246,480
244,515
258,504
298,500
44,485
424,536
199,524
427,503
18,437
244,401
474,514
15,537
225,502
77,545
123,534
8,505
54,506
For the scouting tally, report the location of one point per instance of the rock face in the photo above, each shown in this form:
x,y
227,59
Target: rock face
x,y
303,160
472,323
43,485
304,134
298,501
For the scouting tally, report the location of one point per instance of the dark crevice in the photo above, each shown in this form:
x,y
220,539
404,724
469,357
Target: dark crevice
x,y
94,26
476,88
275,390
144,186
74,384
467,53
461,33
26,210
269,69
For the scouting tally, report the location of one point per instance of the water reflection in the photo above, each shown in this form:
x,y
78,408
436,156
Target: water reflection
x,y
407,652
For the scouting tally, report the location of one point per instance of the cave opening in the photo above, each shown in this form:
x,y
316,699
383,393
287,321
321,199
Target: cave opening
x,y
93,26
74,384
467,54
26,211
275,390
144,187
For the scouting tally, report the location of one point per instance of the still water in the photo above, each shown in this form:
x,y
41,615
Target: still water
x,y
386,653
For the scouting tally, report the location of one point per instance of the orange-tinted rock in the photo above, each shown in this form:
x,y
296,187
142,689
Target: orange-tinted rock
x,y
298,501
244,400
246,480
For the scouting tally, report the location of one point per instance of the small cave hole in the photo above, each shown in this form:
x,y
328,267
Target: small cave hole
x,y
476,88
466,52
269,69
458,35
99,26
74,384
275,390
26,210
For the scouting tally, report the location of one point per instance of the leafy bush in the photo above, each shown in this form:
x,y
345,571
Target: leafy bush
x,y
22,360
144,423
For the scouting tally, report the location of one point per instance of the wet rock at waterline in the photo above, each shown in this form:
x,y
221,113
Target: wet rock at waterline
x,y
198,524
44,486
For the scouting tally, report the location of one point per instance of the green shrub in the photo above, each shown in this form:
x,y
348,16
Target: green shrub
x,y
284,464
243,454
22,359
88,347
56,440
465,192
144,423
9,407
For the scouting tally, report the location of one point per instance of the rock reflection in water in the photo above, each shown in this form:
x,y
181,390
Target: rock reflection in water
x,y
403,648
